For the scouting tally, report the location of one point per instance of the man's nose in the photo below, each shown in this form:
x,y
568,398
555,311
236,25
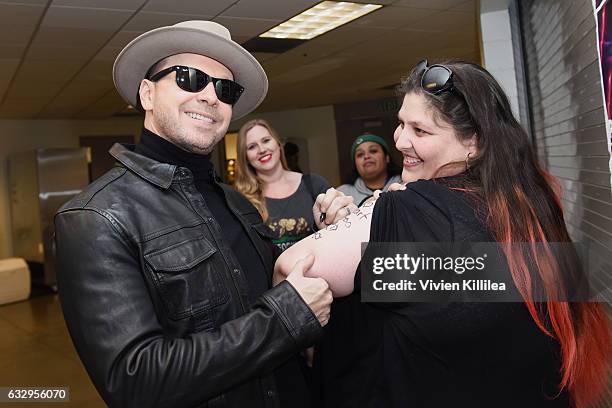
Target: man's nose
x,y
208,94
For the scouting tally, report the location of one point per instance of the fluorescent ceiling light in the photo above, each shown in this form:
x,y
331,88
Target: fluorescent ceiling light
x,y
320,19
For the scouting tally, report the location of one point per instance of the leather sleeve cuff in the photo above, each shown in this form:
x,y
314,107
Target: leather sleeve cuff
x,y
295,314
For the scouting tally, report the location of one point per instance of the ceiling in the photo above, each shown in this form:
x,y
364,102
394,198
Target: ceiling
x,y
56,56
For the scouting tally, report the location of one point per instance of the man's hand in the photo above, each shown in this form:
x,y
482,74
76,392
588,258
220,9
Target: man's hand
x,y
334,204
314,291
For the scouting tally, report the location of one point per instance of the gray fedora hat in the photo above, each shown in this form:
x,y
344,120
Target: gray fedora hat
x,y
195,37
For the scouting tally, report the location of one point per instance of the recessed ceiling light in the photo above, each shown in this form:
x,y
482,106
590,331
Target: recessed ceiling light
x,y
320,19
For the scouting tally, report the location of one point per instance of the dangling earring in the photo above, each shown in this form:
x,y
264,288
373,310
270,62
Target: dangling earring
x,y
467,161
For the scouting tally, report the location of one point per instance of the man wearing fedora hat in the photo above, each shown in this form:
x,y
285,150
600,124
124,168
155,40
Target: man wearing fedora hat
x,y
163,272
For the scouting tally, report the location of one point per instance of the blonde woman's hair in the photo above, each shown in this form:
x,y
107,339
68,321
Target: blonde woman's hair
x,y
247,181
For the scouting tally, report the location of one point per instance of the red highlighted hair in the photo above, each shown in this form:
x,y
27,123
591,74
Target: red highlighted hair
x,y
523,205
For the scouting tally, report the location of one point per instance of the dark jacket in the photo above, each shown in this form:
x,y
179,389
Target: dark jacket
x,y
157,306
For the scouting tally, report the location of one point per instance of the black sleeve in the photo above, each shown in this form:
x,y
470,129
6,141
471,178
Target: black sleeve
x,y
132,362
417,214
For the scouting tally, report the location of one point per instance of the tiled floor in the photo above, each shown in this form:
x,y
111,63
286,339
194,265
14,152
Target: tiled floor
x,y
36,351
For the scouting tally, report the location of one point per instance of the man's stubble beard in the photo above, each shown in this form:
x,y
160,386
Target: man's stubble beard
x,y
175,133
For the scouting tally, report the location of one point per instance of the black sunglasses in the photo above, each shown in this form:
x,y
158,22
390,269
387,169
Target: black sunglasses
x,y
193,80
435,78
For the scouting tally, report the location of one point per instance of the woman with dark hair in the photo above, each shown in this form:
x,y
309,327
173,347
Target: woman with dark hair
x,y
373,168
472,176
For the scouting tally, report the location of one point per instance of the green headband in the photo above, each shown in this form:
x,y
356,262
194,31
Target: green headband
x,y
368,138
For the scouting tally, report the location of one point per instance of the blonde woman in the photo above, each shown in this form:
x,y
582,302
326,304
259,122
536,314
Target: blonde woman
x,y
284,198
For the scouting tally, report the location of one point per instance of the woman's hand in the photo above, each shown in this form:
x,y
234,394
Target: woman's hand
x,y
396,187
331,207
392,187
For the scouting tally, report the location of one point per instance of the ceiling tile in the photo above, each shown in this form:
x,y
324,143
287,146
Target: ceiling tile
x,y
383,2
21,108
22,89
76,97
335,41
98,70
25,2
429,4
108,54
246,27
396,42
306,72
349,34
10,51
92,19
269,9
241,39
13,111
391,17
194,7
262,56
59,71
106,106
78,89
20,15
123,37
469,5
374,51
145,21
79,37
16,35
101,4
55,53
448,21
58,113
7,68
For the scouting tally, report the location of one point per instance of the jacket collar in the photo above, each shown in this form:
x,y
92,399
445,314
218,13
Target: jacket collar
x,y
160,174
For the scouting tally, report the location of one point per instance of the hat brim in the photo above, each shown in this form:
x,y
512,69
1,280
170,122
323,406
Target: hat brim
x,y
139,55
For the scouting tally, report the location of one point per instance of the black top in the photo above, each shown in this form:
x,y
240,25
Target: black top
x,y
291,218
160,149
435,354
289,377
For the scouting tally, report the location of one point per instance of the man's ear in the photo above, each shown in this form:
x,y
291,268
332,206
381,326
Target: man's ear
x,y
146,93
388,159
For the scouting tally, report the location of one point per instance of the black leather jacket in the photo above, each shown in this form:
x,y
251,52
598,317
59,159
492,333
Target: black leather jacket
x,y
156,303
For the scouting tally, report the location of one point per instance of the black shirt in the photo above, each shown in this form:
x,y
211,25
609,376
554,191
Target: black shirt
x,y
435,354
160,149
290,219
290,375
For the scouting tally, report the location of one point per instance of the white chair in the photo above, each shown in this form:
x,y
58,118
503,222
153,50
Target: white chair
x,y
14,280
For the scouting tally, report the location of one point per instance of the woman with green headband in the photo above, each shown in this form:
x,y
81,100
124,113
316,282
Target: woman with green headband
x,y
373,168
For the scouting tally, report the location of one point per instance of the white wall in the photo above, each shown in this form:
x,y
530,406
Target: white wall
x,y
318,126
497,47
23,135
